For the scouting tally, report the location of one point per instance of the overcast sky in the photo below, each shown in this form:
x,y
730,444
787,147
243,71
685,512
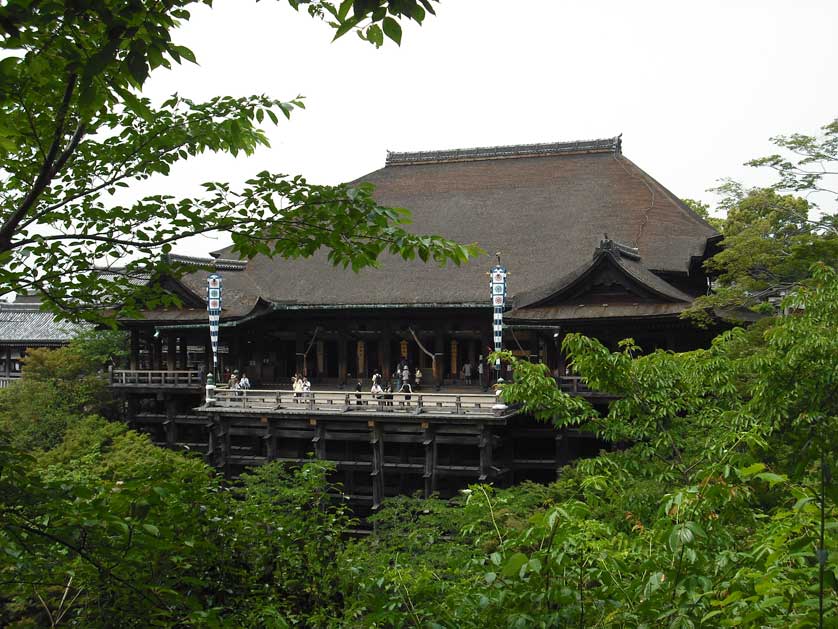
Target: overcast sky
x,y
696,88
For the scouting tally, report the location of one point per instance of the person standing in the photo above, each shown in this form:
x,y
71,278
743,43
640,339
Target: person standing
x,y
358,393
480,368
418,378
233,382
405,374
467,372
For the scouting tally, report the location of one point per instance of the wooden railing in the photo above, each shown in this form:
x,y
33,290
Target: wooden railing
x,y
348,401
147,378
6,381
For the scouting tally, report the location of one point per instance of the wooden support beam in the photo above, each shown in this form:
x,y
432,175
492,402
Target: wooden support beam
x,y
183,360
134,352
429,442
270,441
171,351
171,424
485,445
342,359
377,473
299,353
319,440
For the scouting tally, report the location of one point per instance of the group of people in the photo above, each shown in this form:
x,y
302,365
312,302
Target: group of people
x,y
300,385
236,382
399,384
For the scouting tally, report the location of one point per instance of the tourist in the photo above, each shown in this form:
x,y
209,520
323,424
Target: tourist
x,y
405,388
406,374
233,382
397,376
244,383
297,385
306,387
388,395
418,377
480,372
467,372
358,389
376,377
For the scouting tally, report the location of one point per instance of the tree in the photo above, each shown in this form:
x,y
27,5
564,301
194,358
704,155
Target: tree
x,y
773,235
75,129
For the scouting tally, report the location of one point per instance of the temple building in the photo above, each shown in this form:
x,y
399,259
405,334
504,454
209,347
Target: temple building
x,y
592,244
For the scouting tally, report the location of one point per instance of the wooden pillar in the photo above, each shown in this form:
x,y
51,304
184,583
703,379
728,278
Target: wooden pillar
x,y
429,442
270,441
472,356
439,354
485,349
319,440
342,359
157,353
183,349
7,368
134,357
377,473
299,352
171,351
485,444
384,357
171,424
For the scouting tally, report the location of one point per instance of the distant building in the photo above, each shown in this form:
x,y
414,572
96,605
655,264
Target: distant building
x,y
23,326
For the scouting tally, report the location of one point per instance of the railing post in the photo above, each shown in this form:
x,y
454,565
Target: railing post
x,y
458,405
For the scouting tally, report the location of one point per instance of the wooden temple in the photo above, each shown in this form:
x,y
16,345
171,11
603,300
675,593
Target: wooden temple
x,y
593,244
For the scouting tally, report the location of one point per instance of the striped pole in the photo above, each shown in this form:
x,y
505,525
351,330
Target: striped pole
x,y
497,285
214,284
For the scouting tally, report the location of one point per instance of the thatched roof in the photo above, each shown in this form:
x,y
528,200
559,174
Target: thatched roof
x,y
544,207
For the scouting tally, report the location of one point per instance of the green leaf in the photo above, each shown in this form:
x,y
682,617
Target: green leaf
x,y
151,530
514,564
392,29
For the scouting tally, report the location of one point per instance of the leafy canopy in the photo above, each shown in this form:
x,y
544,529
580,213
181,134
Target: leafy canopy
x,y
75,129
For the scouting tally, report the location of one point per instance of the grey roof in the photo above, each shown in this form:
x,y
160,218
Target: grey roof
x,y
25,324
544,207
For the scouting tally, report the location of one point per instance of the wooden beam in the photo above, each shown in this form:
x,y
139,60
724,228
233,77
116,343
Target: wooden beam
x,y
429,441
377,473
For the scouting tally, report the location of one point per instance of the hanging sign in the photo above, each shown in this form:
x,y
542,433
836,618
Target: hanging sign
x,y
214,283
497,286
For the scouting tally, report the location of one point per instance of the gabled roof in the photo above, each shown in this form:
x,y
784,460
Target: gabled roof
x,y
573,296
543,206
24,325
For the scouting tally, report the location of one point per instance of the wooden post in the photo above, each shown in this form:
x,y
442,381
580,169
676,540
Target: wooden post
x,y
429,441
157,350
384,358
170,424
485,444
319,440
299,349
171,351
377,474
184,353
270,441
134,358
342,359
439,348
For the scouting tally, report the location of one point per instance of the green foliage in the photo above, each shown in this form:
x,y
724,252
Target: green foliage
x,y
773,235
75,129
58,387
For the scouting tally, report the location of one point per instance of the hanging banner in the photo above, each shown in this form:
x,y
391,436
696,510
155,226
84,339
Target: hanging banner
x,y
214,283
497,287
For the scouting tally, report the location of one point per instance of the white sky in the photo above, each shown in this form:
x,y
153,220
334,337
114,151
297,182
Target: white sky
x,y
696,87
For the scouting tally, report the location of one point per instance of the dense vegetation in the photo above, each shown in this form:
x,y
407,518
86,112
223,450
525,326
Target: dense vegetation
x,y
722,512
